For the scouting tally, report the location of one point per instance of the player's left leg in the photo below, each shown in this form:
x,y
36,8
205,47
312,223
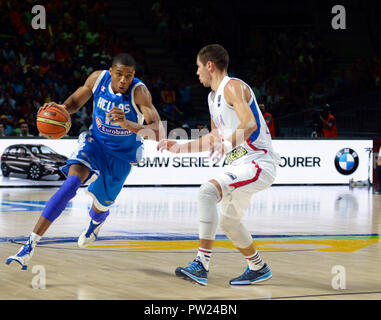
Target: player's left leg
x,y
257,270
53,209
248,180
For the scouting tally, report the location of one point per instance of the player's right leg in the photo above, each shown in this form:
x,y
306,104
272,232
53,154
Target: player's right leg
x,y
209,195
90,234
77,175
104,192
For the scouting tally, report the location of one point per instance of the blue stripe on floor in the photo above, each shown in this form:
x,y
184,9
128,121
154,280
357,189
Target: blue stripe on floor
x,y
142,236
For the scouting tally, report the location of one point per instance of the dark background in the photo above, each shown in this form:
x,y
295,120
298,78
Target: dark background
x,y
287,51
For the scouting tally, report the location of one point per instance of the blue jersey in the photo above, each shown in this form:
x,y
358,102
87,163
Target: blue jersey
x,y
115,140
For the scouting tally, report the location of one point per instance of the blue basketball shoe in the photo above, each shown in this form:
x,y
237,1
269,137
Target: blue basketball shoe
x,y
251,276
89,235
24,255
195,271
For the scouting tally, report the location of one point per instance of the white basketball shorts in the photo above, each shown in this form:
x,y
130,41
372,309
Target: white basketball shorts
x,y
240,182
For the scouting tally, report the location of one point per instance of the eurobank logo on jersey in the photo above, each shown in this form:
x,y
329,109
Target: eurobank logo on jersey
x,y
111,130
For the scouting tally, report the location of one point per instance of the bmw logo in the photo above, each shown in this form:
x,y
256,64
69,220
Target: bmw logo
x,y
346,161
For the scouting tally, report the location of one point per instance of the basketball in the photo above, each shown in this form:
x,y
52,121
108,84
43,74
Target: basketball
x,y
53,122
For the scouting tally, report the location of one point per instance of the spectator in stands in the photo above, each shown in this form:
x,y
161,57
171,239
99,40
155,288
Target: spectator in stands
x,y
2,130
269,119
16,84
8,127
328,121
24,129
185,101
272,98
7,98
8,52
168,104
49,53
61,88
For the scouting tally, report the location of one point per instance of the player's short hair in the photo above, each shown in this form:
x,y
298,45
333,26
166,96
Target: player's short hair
x,y
216,54
124,59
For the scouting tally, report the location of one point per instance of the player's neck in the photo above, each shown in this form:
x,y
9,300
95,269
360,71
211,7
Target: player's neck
x,y
217,79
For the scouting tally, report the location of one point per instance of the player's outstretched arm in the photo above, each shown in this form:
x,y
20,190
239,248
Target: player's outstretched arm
x,y
82,94
153,129
202,144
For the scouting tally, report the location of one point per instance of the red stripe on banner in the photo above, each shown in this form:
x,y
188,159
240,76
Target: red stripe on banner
x,y
245,182
254,148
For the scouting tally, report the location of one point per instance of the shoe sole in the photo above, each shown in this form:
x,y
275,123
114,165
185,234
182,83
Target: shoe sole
x,y
248,282
23,266
187,276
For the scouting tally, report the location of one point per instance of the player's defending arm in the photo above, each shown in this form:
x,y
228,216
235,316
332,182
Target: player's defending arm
x,y
80,96
154,129
204,143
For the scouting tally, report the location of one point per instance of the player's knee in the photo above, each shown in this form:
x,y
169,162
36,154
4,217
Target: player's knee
x,y
208,218
208,193
80,171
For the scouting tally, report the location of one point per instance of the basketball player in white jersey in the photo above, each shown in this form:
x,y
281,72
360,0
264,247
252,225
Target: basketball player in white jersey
x,y
239,131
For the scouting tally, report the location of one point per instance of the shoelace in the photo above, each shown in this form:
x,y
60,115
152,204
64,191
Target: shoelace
x,y
248,271
195,265
92,227
26,249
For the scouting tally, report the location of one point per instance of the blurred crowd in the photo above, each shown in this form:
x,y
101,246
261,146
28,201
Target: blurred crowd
x,y
38,66
290,70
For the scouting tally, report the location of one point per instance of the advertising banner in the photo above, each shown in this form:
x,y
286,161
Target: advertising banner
x,y
302,162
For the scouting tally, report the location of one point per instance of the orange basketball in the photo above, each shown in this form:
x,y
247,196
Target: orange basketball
x,y
53,122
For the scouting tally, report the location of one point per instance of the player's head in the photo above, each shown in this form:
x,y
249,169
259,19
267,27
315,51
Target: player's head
x,y
122,72
210,59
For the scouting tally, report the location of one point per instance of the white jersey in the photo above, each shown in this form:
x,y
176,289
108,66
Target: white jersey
x,y
258,147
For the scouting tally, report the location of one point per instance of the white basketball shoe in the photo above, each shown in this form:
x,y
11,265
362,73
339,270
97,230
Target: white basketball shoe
x,y
24,255
89,235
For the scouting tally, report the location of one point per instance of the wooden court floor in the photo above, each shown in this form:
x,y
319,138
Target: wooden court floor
x,y
320,242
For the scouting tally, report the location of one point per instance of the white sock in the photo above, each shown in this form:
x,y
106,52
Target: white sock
x,y
254,261
204,256
34,238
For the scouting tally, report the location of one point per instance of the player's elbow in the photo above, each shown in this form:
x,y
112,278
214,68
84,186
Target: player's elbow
x,y
158,130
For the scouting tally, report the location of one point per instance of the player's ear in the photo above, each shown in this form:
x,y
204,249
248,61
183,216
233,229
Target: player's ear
x,y
110,69
209,66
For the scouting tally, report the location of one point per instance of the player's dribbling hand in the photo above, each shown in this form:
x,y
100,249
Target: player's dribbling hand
x,y
171,146
51,103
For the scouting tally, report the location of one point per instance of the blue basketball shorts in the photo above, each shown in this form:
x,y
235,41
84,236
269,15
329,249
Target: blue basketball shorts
x,y
107,174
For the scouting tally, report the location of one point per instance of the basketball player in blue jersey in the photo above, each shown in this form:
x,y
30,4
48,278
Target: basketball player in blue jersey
x,y
240,133
106,152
